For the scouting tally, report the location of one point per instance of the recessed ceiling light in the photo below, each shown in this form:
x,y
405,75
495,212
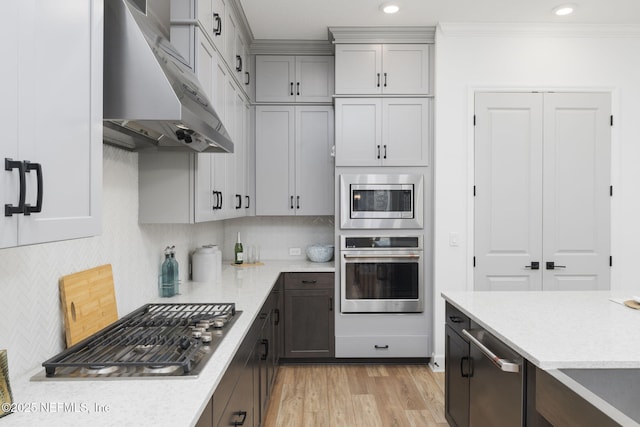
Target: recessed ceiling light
x,y
564,9
389,7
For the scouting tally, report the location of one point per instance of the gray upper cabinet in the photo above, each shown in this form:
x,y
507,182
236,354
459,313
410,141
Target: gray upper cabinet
x,y
52,121
294,167
294,78
379,69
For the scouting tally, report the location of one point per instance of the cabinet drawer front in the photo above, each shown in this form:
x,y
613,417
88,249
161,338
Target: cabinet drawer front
x,y
383,346
309,280
456,319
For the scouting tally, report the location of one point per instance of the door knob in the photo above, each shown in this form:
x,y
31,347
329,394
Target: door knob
x,y
535,265
552,265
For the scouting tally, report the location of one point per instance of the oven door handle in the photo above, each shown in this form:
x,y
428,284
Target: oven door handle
x,y
409,256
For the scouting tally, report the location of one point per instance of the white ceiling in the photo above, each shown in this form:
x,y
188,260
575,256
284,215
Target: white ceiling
x,y
309,19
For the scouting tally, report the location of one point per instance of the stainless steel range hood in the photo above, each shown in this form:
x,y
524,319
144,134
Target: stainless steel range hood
x,y
152,99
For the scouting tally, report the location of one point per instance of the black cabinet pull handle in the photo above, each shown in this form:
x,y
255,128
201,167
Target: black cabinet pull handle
x,y
378,83
243,418
309,282
385,151
248,80
551,265
276,320
291,91
535,265
378,151
238,63
381,347
28,209
248,200
297,202
456,319
218,30
265,343
291,206
238,201
218,200
330,303
10,164
385,79
298,88
464,374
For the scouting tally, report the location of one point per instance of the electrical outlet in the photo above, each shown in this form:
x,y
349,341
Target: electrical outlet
x,y
294,251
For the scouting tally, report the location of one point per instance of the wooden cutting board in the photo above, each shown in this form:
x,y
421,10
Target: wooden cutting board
x,y
88,302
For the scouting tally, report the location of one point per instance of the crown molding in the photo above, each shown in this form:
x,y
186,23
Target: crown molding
x,y
539,30
244,22
382,34
291,47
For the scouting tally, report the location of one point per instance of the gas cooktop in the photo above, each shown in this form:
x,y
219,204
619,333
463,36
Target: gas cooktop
x,y
154,341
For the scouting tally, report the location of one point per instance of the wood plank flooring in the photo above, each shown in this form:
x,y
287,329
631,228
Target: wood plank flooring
x,y
356,395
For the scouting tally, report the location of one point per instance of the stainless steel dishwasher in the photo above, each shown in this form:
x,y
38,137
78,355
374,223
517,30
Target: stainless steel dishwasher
x,y
496,383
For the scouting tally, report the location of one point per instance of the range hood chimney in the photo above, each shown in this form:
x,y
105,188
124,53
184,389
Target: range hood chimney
x,y
152,99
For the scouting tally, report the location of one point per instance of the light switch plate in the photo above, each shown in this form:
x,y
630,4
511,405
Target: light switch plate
x,y
294,251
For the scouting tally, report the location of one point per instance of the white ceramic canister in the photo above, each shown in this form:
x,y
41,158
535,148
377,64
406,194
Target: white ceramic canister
x,y
204,265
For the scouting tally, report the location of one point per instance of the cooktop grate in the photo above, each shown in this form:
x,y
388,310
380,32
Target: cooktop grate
x,y
154,340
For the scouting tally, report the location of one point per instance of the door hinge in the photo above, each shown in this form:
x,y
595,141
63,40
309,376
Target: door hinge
x,y
610,261
474,261
474,119
611,120
611,190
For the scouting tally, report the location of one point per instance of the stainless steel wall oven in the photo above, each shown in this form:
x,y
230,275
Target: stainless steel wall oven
x,y
381,201
381,274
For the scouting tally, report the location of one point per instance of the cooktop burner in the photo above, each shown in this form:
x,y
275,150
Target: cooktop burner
x,y
156,340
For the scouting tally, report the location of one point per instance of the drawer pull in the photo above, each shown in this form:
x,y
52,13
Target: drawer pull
x,y
309,282
381,347
243,418
456,319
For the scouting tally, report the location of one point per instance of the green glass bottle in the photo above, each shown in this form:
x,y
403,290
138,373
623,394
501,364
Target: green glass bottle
x,y
239,253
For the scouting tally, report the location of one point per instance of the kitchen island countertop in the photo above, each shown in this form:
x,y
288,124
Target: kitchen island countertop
x,y
556,329
155,401
587,332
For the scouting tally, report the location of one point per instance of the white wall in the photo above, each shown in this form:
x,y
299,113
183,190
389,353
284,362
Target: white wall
x,y
529,57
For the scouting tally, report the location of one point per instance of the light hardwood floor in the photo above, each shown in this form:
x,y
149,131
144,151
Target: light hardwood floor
x,y
356,395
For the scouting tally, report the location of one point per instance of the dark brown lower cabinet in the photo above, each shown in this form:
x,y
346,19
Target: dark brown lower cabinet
x,y
309,330
457,368
242,395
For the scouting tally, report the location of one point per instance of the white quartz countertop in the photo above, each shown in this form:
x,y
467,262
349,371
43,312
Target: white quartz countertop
x,y
158,402
559,329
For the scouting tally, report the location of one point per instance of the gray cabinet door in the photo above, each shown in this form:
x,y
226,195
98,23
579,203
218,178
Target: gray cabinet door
x,y
309,325
542,176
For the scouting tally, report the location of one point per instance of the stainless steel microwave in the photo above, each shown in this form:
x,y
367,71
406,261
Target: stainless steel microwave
x,y
381,201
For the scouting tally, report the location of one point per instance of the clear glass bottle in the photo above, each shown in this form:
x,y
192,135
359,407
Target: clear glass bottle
x,y
239,252
176,276
166,278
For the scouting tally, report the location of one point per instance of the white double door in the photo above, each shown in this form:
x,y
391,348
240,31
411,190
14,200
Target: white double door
x,y
542,191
